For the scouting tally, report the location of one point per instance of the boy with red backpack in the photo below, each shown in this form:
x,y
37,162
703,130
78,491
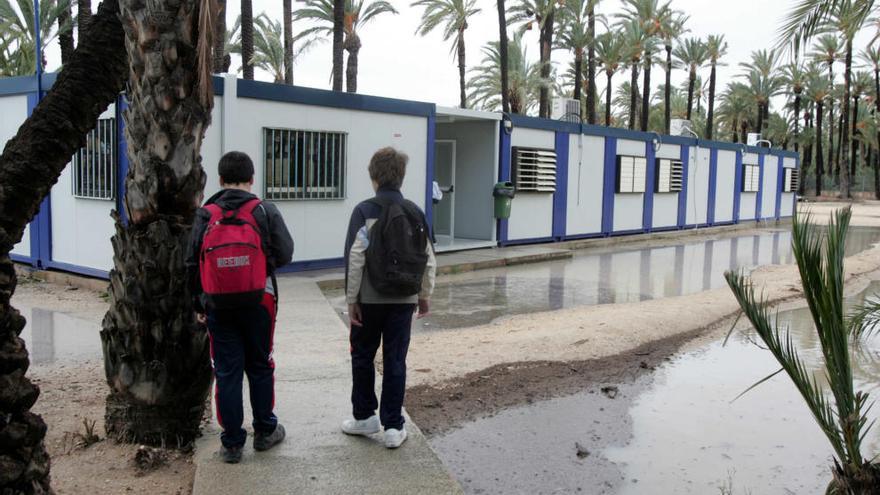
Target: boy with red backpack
x,y
237,243
390,269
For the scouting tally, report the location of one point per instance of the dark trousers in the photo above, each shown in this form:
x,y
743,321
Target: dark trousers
x,y
389,324
241,342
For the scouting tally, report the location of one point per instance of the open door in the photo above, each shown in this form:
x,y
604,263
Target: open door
x,y
444,175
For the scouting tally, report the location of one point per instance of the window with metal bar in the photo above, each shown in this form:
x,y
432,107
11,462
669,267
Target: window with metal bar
x,y
668,176
94,165
751,178
792,180
305,165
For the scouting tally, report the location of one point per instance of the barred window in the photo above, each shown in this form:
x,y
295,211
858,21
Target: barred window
x,y
94,165
792,180
668,176
631,174
303,165
751,178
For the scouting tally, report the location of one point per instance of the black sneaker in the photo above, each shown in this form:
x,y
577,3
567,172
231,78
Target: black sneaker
x,y
231,455
264,442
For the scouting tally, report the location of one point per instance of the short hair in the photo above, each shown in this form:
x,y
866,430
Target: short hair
x,y
388,167
236,167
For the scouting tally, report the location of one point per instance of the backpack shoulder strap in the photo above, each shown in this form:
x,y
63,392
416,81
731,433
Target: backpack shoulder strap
x,y
214,211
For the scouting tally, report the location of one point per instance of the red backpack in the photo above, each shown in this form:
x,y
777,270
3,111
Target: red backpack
x,y
232,263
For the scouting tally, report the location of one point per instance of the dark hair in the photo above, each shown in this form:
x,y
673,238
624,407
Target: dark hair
x,y
388,167
236,168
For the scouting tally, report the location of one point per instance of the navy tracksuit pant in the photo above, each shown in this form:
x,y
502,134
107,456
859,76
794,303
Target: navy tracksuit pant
x,y
390,325
241,342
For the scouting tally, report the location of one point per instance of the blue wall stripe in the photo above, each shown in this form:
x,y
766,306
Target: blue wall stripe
x,y
504,157
18,85
737,186
429,172
760,195
80,270
334,99
560,197
682,196
650,172
713,184
608,185
217,82
780,175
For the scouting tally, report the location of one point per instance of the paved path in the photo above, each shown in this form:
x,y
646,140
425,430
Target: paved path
x,y
312,386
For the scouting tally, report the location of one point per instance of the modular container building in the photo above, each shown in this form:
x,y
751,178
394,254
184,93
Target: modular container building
x,y
311,149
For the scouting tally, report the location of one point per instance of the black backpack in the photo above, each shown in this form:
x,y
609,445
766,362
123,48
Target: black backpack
x,y
396,257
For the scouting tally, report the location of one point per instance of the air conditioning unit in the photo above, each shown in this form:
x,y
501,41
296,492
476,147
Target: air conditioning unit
x,y
753,138
566,109
681,127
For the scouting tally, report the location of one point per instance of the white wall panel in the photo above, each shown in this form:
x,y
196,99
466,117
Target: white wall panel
x,y
586,168
698,186
671,151
769,186
628,211
13,112
724,185
665,210
630,148
747,206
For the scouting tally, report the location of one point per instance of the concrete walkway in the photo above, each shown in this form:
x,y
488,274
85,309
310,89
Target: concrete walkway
x,y
312,386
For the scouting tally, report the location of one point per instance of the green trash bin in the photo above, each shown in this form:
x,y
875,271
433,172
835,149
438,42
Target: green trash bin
x,y
503,194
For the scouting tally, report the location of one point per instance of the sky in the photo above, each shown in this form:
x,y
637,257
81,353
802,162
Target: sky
x,y
397,63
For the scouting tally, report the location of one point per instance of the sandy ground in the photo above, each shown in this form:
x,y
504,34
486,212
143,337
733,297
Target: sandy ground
x,y
74,392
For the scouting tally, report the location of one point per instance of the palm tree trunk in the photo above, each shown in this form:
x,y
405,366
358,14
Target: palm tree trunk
x,y
876,165
462,94
608,75
744,129
220,64
65,34
691,81
853,143
667,92
831,166
819,155
710,119
760,125
808,158
30,164
288,41
155,354
546,49
578,77
844,142
247,39
338,42
646,93
83,15
591,67
734,131
797,119
633,94
839,142
502,51
353,47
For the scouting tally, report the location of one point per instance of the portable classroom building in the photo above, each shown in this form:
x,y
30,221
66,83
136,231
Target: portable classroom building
x,y
311,148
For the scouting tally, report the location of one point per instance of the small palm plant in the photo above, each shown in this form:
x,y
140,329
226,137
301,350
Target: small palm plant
x,y
842,416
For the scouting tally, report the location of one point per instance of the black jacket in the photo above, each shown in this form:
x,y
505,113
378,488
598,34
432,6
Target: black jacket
x,y
277,242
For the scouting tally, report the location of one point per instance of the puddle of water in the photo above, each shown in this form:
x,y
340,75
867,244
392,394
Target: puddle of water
x,y
675,430
607,276
53,336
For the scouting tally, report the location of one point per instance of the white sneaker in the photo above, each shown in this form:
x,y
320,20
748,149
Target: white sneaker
x,y
363,427
395,438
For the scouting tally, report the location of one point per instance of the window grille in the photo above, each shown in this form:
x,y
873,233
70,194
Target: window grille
x,y
631,172
751,178
94,165
792,180
668,176
535,169
305,165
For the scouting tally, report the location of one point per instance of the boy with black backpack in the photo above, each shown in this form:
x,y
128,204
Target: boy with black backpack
x,y
390,269
237,242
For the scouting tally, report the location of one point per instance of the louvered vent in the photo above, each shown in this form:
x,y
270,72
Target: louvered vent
x,y
792,180
535,169
668,176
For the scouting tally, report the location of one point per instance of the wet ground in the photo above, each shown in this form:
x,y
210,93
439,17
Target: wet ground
x,y
673,430
615,274
53,336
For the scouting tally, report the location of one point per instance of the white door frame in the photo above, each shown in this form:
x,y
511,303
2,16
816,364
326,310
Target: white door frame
x,y
451,196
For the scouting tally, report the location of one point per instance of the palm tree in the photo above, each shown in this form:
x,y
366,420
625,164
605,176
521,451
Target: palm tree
x,y
247,39
84,13
735,110
222,60
861,83
18,27
357,15
65,32
156,356
651,15
611,54
764,82
841,415
871,59
30,163
672,27
623,100
454,15
591,61
691,54
817,90
287,17
269,49
575,36
636,40
827,50
338,20
503,45
525,79
716,48
542,14
794,76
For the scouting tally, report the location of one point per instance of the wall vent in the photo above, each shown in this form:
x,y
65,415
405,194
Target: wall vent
x,y
668,178
535,169
792,180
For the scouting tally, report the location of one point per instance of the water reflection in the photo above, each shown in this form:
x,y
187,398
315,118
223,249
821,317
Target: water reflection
x,y
607,276
53,336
